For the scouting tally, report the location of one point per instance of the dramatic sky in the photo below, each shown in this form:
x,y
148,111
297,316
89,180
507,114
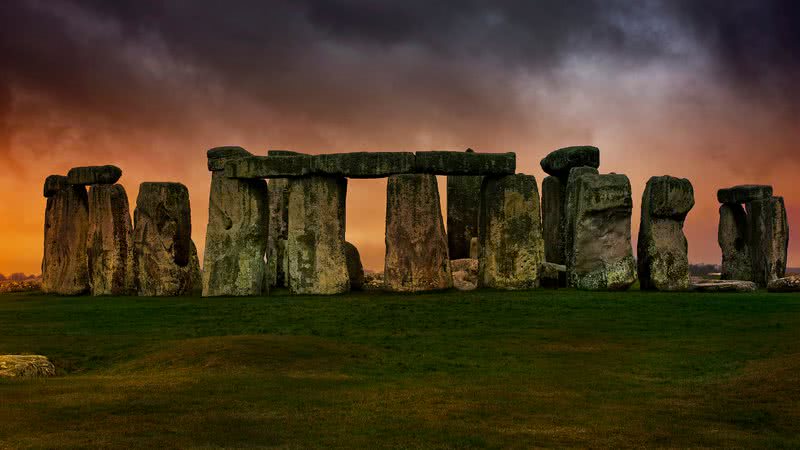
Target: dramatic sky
x,y
703,89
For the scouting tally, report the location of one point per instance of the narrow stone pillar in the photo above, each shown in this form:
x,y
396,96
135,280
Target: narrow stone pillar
x,y
570,211
769,239
553,204
733,241
162,243
110,242
663,261
278,229
463,206
602,256
315,246
236,236
512,249
66,223
416,246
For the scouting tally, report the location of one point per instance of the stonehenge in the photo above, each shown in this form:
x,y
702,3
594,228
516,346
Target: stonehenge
x,y
65,268
663,260
463,210
753,234
109,244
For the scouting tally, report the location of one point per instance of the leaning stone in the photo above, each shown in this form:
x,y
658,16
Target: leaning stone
x,y
276,237
219,156
744,193
269,167
26,366
364,164
663,262
769,239
463,206
236,237
733,241
560,162
602,256
66,224
465,163
552,275
315,247
465,273
553,203
512,247
787,284
355,269
416,245
85,176
724,286
110,245
162,244
53,184
570,205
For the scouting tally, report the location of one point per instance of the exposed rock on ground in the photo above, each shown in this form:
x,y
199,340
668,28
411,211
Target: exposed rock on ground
x,y
27,366
465,273
724,286
786,284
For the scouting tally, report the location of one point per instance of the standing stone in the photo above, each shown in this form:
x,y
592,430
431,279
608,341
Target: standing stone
x,y
474,248
512,249
162,244
109,245
66,223
570,211
733,241
276,239
553,204
236,237
663,261
463,206
602,256
315,246
768,239
355,269
416,246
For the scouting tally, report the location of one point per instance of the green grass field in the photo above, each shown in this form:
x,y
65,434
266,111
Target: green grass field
x,y
479,369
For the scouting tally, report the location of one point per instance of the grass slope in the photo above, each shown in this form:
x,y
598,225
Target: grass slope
x,y
484,369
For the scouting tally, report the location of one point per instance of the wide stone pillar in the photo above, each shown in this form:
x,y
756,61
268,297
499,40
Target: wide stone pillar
x,y
110,241
236,237
278,232
769,239
463,206
602,256
416,246
733,241
512,249
553,204
315,247
663,261
570,212
66,223
162,243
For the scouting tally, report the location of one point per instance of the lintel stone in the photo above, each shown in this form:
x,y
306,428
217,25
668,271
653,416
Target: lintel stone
x,y
744,193
465,163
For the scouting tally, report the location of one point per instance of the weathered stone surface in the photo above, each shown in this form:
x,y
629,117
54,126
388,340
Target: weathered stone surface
x,y
553,203
512,247
465,273
474,248
355,269
110,243
283,153
236,237
195,272
768,239
162,244
278,232
553,275
27,366
724,286
84,176
463,206
66,223
733,241
53,184
416,246
465,163
315,250
364,164
663,261
560,162
219,156
570,205
602,256
744,193
786,284
269,167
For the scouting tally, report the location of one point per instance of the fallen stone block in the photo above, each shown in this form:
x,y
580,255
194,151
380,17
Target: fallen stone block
x,y
465,273
26,366
724,286
786,284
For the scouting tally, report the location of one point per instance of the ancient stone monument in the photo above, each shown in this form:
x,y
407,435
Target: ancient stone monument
x,y
663,261
110,244
512,248
66,223
601,256
568,219
236,237
276,272
416,245
164,257
754,238
463,207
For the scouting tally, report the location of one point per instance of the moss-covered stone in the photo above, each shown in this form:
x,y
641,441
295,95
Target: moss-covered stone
x,y
512,246
560,162
66,224
110,242
463,207
465,163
